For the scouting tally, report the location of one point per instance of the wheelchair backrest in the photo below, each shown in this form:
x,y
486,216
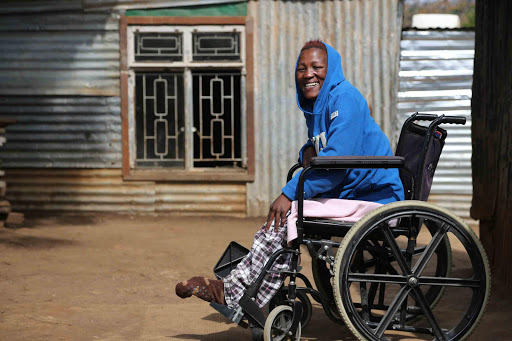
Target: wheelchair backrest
x,y
421,147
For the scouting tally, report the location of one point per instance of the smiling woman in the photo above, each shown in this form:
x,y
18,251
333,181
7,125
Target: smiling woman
x,y
339,123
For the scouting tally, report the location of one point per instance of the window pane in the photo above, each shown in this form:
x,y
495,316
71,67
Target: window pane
x,y
216,46
217,111
151,46
159,119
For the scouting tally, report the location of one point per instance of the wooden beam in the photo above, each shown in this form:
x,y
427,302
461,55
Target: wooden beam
x,y
491,110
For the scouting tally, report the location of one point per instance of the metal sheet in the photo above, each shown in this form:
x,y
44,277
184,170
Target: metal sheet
x,y
62,132
366,33
105,190
38,6
127,4
59,54
436,72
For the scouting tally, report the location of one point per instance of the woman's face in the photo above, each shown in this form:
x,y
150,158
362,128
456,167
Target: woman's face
x,y
311,72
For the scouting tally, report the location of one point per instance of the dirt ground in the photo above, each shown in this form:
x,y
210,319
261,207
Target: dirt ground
x,y
112,277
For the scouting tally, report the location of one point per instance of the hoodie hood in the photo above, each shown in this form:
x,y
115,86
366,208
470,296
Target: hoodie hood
x,y
333,78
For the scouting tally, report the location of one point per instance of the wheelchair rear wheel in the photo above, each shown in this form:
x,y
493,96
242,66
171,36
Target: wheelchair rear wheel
x,y
323,278
376,240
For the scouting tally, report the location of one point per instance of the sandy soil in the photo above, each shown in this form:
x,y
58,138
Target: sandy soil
x,y
109,277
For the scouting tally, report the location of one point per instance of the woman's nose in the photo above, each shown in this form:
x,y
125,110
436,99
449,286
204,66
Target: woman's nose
x,y
309,73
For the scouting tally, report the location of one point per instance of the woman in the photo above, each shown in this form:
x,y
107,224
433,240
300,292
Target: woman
x,y
339,123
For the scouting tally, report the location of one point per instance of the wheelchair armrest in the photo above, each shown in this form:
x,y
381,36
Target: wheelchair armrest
x,y
353,162
292,170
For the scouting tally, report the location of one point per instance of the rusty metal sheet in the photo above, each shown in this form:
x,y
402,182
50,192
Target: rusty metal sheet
x,y
105,190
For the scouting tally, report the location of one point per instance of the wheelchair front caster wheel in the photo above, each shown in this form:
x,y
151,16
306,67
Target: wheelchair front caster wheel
x,y
307,308
278,324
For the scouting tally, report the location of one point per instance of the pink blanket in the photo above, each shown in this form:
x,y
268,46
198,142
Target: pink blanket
x,y
335,209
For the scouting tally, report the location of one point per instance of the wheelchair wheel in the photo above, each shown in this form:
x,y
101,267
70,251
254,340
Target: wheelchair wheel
x,y
379,239
278,324
307,308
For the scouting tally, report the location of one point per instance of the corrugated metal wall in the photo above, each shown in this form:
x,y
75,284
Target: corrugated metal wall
x,y
436,73
367,34
104,190
60,79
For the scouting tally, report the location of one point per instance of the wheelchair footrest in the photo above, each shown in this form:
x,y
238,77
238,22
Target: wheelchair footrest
x,y
234,315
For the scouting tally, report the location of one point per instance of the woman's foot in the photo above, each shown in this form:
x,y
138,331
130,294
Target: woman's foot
x,y
210,290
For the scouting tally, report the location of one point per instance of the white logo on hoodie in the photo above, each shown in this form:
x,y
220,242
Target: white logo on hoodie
x,y
317,139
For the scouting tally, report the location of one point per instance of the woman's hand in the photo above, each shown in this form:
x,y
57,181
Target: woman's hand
x,y
307,154
278,211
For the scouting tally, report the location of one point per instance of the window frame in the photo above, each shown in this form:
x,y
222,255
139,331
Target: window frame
x,y
129,172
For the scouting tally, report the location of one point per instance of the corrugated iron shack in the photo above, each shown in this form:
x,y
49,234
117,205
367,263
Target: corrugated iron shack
x,y
173,106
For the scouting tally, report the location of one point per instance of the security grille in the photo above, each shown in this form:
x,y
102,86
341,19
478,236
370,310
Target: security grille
x,y
158,46
216,46
217,119
187,91
159,119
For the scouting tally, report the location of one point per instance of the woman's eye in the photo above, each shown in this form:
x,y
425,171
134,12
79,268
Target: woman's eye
x,y
318,67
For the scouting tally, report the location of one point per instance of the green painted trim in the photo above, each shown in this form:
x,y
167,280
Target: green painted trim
x,y
230,9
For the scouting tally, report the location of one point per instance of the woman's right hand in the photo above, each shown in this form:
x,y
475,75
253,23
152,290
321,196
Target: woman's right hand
x,y
307,154
277,212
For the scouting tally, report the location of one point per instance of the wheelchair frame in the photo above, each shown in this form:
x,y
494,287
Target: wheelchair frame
x,y
292,301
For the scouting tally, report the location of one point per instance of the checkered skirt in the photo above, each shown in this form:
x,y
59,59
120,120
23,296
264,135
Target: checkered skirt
x,y
266,242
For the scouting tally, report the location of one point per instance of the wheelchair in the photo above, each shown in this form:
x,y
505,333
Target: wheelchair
x,y
386,275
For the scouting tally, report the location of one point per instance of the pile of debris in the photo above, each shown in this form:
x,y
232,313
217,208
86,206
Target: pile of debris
x,y
7,218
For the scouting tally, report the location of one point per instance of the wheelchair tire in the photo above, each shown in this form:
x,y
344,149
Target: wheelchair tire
x,y
371,323
307,308
278,324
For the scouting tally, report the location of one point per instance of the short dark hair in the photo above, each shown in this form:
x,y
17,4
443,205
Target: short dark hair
x,y
314,44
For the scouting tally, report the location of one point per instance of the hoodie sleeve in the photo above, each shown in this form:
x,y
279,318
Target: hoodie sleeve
x,y
344,137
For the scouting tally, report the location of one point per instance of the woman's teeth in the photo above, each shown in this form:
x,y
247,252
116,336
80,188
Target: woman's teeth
x,y
310,85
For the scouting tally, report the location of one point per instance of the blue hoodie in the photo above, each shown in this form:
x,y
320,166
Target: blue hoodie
x,y
339,123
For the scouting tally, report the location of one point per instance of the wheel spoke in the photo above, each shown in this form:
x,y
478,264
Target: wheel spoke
x,y
420,299
395,250
390,313
451,282
429,251
376,278
391,269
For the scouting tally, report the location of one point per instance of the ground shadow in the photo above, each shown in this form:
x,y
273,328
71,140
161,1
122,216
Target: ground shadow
x,y
235,333
47,219
31,242
217,317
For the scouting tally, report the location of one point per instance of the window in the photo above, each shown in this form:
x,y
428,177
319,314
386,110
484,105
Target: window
x,y
185,89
